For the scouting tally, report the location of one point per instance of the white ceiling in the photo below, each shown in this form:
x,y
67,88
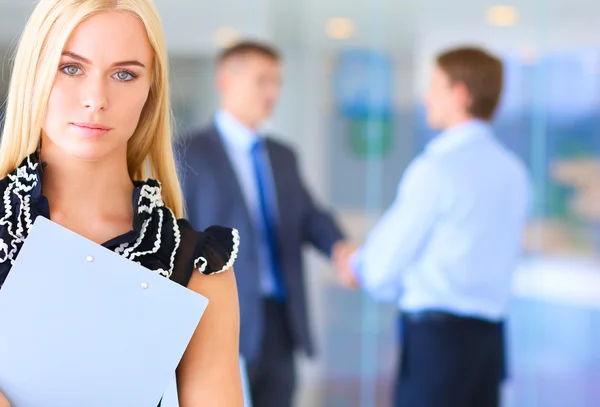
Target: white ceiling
x,y
190,25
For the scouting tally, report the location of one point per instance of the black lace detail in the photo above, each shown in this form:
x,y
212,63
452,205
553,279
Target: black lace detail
x,y
218,249
158,235
18,211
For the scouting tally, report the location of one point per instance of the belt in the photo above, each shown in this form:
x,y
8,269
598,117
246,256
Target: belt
x,y
441,316
431,316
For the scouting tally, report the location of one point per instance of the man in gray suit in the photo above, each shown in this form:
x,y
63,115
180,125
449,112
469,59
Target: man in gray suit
x,y
236,176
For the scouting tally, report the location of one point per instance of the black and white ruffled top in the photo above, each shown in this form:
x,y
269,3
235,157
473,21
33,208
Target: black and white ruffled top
x,y
158,241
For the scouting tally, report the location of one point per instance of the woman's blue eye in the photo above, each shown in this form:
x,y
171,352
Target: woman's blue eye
x,y
74,70
124,76
71,70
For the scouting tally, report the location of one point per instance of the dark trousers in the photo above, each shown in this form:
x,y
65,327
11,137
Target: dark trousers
x,y
272,375
449,361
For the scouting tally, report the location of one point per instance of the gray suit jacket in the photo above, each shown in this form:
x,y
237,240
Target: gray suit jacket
x,y
213,196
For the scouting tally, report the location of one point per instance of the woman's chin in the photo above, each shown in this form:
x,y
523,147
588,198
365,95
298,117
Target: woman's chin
x,y
89,151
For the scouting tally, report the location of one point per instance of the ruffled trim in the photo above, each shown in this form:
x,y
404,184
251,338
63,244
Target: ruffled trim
x,y
154,245
158,234
17,219
234,252
202,264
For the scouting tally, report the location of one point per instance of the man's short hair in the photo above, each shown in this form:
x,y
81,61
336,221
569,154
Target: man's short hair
x,y
248,47
481,73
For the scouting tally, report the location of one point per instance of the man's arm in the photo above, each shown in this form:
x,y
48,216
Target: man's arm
x,y
395,241
319,227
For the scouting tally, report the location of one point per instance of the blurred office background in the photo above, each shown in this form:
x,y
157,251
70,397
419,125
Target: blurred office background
x,y
354,74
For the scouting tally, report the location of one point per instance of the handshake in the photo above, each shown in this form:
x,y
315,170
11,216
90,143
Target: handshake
x,y
341,256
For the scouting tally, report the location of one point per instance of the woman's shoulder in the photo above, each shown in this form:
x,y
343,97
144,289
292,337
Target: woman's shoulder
x,y
212,250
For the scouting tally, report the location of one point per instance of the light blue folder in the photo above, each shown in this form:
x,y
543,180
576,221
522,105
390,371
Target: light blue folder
x,y
82,326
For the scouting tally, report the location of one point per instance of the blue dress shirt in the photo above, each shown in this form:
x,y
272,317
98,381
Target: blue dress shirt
x,y
452,238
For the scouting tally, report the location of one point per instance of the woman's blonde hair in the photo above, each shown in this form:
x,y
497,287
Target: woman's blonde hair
x,y
150,151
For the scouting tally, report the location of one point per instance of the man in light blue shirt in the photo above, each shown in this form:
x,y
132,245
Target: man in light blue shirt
x,y
447,247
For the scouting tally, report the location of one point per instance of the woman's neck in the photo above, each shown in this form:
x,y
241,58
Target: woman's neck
x,y
92,198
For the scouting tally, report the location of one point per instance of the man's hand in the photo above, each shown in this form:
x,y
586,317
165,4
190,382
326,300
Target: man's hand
x,y
341,255
4,401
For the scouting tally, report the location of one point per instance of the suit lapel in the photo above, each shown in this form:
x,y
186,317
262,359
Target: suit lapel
x,y
220,160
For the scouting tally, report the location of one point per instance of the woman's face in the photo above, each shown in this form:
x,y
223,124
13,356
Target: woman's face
x,y
102,84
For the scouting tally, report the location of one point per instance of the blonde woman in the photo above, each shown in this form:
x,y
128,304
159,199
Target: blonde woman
x,y
87,143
